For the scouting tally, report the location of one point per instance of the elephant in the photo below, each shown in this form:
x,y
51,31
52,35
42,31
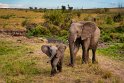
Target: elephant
x,y
56,55
85,34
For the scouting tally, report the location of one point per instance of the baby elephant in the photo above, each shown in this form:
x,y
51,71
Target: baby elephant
x,y
56,54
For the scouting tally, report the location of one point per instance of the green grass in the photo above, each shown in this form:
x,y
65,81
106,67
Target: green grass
x,y
115,51
14,62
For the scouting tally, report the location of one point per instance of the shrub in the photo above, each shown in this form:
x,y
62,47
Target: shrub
x,y
106,37
57,17
55,30
38,31
118,18
7,16
63,33
109,20
25,22
78,14
120,29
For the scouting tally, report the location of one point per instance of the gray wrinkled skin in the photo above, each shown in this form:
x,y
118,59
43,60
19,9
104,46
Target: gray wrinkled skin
x,y
56,54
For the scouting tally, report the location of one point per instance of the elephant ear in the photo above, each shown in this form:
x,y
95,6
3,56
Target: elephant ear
x,y
61,47
45,49
88,29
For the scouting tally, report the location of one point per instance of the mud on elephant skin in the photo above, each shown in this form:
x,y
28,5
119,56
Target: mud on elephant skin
x,y
56,55
86,34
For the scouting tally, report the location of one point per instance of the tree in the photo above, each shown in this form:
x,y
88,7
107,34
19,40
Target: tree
x,y
63,8
35,8
70,8
30,8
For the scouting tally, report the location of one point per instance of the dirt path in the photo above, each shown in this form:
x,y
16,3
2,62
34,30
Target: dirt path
x,y
116,67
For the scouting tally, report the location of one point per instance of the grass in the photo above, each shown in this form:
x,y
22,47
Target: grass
x,y
115,51
22,63
15,17
15,62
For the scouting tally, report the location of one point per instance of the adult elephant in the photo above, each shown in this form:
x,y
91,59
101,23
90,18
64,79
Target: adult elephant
x,y
85,34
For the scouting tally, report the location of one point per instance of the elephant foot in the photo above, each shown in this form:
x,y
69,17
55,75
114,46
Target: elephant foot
x,y
52,75
95,62
60,70
84,62
71,65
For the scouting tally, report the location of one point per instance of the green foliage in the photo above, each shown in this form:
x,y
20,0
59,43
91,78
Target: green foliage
x,y
56,17
56,25
58,22
7,48
109,20
117,37
110,33
55,30
106,38
14,61
38,31
7,16
120,29
118,18
63,8
63,32
115,51
20,67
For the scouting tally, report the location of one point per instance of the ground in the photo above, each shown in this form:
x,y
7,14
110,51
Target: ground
x,y
27,64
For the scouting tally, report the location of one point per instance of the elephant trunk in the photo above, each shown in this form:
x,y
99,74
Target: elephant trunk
x,y
71,47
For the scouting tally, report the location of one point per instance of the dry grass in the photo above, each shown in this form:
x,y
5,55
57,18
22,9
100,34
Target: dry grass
x,y
30,66
16,17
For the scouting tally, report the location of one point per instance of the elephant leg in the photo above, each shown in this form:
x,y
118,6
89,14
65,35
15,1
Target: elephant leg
x,y
88,55
85,49
54,65
59,65
84,56
75,50
94,55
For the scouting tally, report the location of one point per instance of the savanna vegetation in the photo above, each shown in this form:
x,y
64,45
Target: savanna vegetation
x,y
24,63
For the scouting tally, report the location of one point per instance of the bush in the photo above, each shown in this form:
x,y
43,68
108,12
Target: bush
x,y
7,16
106,38
117,37
118,18
120,29
38,31
55,30
109,20
25,22
63,33
56,17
